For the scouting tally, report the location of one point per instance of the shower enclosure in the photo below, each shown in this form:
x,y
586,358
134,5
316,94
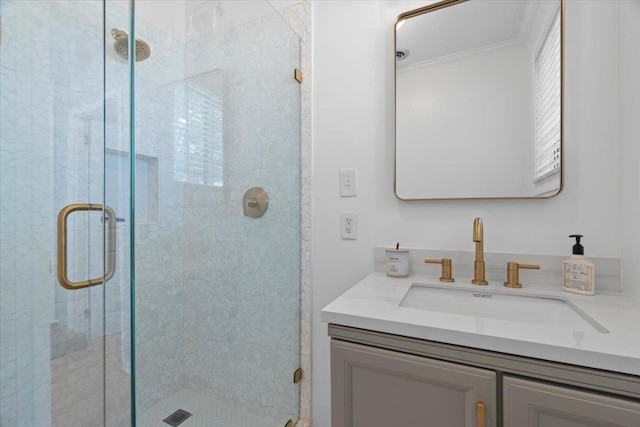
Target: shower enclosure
x,y
132,286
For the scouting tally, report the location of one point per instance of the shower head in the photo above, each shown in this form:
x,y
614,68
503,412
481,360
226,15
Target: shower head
x,y
121,46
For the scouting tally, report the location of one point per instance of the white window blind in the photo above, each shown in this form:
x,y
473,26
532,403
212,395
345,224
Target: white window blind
x,y
198,135
547,95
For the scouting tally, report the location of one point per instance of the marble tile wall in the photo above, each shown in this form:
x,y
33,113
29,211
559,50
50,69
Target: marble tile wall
x,y
212,286
26,161
299,18
159,248
245,345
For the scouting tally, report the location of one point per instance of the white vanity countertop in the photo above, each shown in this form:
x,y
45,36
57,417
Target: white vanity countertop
x,y
373,304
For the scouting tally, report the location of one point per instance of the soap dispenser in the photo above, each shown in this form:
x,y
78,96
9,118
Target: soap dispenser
x,y
578,273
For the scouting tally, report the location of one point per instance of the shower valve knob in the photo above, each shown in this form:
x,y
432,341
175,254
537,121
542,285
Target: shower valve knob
x,y
255,202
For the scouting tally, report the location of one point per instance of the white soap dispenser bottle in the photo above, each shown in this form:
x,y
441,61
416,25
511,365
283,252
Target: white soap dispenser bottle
x,y
578,273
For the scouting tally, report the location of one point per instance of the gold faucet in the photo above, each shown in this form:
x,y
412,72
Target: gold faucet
x,y
446,268
478,265
513,268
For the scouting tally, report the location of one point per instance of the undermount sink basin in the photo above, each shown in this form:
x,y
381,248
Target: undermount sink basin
x,y
491,304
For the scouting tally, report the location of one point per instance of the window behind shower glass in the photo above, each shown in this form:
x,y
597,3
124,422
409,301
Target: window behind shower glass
x,y
198,134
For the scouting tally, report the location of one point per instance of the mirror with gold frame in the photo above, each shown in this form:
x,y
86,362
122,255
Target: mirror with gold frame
x,y
478,87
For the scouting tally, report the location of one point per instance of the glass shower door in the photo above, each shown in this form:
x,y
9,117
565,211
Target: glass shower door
x,y
217,293
64,264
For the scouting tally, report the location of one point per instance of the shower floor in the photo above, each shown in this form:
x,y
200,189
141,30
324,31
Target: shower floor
x,y
77,377
206,412
77,369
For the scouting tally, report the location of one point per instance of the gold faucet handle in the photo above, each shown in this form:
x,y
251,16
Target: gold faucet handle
x,y
447,267
513,269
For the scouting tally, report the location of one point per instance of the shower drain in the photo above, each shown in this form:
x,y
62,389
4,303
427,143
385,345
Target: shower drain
x,y
177,417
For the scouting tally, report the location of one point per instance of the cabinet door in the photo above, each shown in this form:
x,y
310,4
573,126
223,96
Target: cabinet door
x,y
372,387
535,404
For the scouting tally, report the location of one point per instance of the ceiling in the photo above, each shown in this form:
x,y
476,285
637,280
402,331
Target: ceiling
x,y
463,28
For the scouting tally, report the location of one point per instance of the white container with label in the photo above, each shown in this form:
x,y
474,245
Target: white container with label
x,y
578,273
397,262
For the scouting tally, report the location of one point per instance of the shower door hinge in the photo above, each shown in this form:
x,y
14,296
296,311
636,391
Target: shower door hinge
x,y
297,376
289,423
297,74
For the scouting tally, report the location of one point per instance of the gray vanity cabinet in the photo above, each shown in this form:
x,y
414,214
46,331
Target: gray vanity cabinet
x,y
373,387
537,404
383,380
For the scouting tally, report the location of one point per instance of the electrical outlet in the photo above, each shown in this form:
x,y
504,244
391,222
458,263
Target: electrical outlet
x,y
348,182
349,226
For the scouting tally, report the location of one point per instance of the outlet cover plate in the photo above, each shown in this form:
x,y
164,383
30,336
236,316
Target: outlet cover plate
x,y
349,226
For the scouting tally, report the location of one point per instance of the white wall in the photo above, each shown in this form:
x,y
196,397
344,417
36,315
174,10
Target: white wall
x,y
629,88
353,128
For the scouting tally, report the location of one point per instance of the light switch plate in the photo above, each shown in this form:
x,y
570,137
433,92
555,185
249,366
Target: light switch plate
x,y
348,182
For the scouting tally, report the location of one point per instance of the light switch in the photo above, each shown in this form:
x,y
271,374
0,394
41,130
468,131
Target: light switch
x,y
348,182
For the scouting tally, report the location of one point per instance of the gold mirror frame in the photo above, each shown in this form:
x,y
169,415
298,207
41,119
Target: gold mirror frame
x,y
445,4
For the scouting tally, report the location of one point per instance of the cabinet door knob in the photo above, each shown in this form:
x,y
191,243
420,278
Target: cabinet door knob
x,y
480,407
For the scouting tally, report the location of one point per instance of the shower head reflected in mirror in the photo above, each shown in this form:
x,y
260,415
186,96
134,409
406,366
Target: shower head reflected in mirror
x,y
121,46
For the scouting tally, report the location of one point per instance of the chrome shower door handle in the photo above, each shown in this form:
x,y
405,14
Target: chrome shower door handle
x,y
110,219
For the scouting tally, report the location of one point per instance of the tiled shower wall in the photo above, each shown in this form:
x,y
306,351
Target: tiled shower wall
x,y
159,246
26,161
245,273
299,17
217,293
